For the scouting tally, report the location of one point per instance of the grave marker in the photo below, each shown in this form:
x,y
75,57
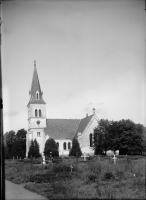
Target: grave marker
x,y
43,157
85,156
50,156
71,167
114,158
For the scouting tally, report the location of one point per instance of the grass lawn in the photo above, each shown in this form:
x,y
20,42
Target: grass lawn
x,y
92,179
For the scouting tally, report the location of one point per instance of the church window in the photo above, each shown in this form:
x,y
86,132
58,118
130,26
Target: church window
x,y
64,145
37,95
36,112
91,140
69,145
38,134
40,113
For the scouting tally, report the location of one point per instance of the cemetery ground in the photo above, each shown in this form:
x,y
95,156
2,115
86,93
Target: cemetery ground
x,y
96,178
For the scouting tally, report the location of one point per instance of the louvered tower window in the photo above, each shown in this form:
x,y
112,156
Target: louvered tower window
x,y
40,113
37,95
35,112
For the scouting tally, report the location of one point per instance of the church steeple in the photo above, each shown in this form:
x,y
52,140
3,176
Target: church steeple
x,y
36,95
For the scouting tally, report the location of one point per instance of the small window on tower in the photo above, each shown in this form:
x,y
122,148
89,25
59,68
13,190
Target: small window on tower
x,y
37,95
38,134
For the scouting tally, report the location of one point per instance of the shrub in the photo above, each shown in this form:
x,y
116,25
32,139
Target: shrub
x,y
108,175
51,146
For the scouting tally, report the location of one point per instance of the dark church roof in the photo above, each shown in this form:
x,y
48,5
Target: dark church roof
x,y
35,86
83,123
66,128
61,128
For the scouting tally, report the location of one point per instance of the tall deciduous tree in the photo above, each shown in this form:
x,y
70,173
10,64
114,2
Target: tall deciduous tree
x,y
51,146
17,150
21,136
101,140
75,148
9,138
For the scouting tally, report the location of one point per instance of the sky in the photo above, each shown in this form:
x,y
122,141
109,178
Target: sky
x,y
88,54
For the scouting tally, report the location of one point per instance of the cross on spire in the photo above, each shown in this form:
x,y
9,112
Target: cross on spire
x,y
93,110
35,88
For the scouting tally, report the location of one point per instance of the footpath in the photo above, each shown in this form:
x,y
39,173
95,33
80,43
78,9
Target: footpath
x,y
18,192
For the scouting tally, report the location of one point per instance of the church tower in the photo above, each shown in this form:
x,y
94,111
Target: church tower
x,y
36,114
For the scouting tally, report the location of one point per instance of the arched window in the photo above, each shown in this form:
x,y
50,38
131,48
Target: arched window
x,y
91,140
35,112
64,145
37,95
69,145
40,113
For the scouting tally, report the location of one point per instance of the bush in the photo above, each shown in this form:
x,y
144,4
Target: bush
x,y
108,175
51,146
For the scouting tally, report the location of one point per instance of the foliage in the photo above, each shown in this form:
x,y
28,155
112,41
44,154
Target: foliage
x,y
34,149
101,142
21,134
123,135
51,146
15,144
100,180
75,148
9,139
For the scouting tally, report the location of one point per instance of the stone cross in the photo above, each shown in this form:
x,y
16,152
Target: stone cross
x,y
50,156
85,156
13,158
44,162
17,157
71,167
114,158
20,158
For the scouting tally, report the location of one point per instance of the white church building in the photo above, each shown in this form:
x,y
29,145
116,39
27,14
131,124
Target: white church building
x,y
61,130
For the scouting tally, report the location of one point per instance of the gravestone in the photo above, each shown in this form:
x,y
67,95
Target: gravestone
x,y
117,152
71,167
85,156
114,158
109,153
43,158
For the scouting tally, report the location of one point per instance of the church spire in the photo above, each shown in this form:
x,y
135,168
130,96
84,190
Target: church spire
x,y
35,93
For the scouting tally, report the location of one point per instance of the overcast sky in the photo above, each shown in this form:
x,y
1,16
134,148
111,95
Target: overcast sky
x,y
88,54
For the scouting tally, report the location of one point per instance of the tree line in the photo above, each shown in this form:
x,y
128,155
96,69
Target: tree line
x,y
15,146
123,135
